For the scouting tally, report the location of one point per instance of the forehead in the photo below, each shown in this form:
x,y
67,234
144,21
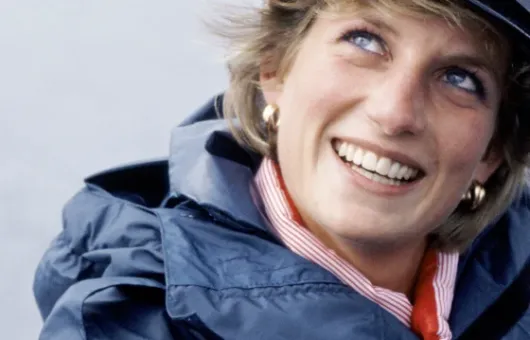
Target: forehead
x,y
450,12
480,33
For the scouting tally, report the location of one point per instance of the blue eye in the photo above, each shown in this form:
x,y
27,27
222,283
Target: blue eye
x,y
464,80
366,41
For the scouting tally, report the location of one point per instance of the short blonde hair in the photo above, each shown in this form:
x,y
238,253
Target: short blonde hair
x,y
274,32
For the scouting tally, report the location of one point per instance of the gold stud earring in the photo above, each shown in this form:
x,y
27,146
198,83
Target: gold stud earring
x,y
271,117
475,196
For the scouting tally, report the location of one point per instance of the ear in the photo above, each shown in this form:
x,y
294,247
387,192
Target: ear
x,y
270,82
489,164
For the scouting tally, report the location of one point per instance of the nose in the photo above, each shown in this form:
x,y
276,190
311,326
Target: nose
x,y
397,104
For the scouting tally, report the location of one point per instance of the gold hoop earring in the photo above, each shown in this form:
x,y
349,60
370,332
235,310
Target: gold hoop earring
x,y
475,196
271,117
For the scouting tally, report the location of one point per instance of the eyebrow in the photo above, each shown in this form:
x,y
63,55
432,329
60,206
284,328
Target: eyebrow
x,y
373,19
380,24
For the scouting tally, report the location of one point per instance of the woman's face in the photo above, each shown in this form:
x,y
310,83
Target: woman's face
x,y
385,120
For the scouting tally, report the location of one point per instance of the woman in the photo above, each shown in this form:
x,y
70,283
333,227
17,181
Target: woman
x,y
377,190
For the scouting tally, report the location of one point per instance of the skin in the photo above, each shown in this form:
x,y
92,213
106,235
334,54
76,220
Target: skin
x,y
393,89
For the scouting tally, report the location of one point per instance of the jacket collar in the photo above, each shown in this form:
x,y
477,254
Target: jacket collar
x,y
492,264
207,165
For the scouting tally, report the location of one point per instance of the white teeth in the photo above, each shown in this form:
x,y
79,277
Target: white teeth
x,y
393,172
365,173
359,155
378,179
402,172
350,152
394,169
375,177
408,174
382,180
369,161
383,166
343,149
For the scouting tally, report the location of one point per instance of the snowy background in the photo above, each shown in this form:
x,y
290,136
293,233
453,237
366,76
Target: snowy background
x,y
84,86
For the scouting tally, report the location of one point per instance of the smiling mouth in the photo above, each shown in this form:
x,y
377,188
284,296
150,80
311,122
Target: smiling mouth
x,y
375,167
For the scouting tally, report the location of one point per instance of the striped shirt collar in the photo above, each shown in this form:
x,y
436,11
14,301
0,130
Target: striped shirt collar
x,y
434,295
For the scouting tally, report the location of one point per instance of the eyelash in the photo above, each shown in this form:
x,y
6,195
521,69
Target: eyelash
x,y
349,34
481,89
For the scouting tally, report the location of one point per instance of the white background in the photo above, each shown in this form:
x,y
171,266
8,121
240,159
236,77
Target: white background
x,y
84,86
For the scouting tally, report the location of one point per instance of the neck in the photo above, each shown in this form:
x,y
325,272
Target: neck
x,y
388,266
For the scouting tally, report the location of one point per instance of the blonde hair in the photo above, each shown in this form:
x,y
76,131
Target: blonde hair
x,y
274,33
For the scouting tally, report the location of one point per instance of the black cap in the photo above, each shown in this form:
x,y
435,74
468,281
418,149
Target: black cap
x,y
514,14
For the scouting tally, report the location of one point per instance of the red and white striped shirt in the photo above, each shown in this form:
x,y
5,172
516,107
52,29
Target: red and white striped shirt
x,y
430,313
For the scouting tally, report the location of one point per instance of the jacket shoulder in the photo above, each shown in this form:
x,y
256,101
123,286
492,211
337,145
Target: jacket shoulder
x,y
142,183
108,230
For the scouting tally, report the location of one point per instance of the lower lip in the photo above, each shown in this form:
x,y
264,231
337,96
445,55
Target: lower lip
x,y
373,186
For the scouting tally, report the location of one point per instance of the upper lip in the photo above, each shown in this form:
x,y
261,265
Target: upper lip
x,y
384,152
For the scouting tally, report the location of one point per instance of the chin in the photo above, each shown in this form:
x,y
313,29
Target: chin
x,y
372,227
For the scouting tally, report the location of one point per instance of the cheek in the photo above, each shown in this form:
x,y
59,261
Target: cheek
x,y
318,84
304,109
311,99
463,142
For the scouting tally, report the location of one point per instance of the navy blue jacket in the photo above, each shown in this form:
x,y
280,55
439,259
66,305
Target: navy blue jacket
x,y
180,249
